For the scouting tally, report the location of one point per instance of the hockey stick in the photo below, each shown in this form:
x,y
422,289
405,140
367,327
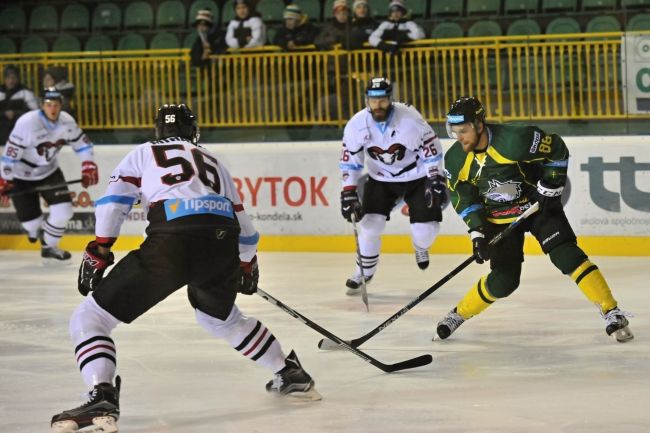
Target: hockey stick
x,y
325,344
44,188
418,361
364,290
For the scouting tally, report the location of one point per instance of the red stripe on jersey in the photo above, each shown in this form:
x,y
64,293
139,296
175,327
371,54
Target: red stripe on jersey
x,y
238,207
256,343
431,139
99,346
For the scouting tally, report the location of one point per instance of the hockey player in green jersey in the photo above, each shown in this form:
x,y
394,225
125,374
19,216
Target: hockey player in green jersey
x,y
496,172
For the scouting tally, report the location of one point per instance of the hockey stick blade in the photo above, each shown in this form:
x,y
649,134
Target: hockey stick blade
x,y
325,344
418,361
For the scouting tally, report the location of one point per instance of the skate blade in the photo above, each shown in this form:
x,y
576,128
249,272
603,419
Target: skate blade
x,y
102,424
47,261
303,396
623,335
353,292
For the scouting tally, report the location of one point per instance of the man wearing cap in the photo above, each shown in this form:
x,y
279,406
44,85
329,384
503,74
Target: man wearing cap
x,y
30,161
246,29
210,39
396,31
363,24
15,100
297,31
338,30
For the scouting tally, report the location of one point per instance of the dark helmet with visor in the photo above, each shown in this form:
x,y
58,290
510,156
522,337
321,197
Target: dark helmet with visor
x,y
465,109
52,94
176,121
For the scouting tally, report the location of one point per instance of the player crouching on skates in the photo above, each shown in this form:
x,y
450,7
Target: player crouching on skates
x,y
30,161
404,159
199,236
496,172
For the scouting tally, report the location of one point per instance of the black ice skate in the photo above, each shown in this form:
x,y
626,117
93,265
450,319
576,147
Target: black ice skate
x,y
98,415
54,253
293,381
449,324
616,325
422,258
354,284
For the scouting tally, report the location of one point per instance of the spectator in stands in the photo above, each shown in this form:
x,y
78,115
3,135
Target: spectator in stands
x,y
57,77
396,31
246,30
338,30
15,100
297,31
363,24
210,41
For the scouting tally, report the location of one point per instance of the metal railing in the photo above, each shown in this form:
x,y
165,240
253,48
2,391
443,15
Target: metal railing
x,y
542,77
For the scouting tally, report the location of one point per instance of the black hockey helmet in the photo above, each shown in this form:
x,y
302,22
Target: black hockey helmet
x,y
176,121
465,109
52,94
379,87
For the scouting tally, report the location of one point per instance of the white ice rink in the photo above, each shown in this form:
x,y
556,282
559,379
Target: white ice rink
x,y
537,362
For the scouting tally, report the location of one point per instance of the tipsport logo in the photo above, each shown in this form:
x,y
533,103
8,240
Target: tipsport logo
x,y
629,171
215,205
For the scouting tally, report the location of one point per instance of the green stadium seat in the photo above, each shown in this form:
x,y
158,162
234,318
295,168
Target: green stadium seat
x,y
590,5
270,10
33,44
629,4
227,13
270,35
99,43
484,29
188,41
378,8
638,22
327,9
446,30
311,8
524,26
107,16
165,40
43,19
170,13
602,24
483,7
520,6
75,17
7,45
204,4
446,8
138,14
418,8
66,43
559,5
563,25
12,20
131,41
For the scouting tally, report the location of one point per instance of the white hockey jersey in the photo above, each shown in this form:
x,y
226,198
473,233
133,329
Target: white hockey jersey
x,y
402,149
186,178
33,146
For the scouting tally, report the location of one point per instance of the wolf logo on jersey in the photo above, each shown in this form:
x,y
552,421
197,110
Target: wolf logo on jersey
x,y
503,191
394,153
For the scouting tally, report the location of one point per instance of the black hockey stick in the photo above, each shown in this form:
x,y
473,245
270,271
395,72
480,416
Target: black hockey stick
x,y
388,368
333,344
44,188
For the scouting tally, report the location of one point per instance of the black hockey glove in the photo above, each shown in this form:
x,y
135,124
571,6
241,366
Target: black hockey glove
x,y
435,192
250,275
480,246
549,198
92,268
350,205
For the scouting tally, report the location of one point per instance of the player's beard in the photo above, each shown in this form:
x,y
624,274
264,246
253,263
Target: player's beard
x,y
379,115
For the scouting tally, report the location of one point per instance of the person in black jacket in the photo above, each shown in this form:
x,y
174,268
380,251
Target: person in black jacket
x,y
396,31
210,41
15,100
363,24
297,31
337,31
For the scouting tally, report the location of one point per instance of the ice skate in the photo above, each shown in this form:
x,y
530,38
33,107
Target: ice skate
x,y
449,324
616,325
55,254
354,284
422,258
293,381
98,415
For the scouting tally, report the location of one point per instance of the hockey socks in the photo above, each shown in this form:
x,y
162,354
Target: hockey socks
x,y
476,300
592,283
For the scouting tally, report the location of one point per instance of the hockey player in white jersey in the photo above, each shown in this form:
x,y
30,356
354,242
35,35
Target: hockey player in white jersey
x,y
198,235
404,159
30,161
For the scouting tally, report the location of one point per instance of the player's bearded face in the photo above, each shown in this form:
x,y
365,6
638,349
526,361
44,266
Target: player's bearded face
x,y
467,135
379,108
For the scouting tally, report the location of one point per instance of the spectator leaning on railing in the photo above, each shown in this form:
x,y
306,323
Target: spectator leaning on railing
x,y
57,77
246,30
15,100
210,39
396,31
297,31
363,24
337,31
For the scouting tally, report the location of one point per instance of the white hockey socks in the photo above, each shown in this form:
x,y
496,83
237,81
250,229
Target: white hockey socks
x,y
32,227
54,226
371,227
246,335
90,328
424,234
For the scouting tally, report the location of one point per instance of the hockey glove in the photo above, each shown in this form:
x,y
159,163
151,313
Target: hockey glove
x,y
89,174
549,197
350,205
480,246
6,186
435,192
92,268
250,275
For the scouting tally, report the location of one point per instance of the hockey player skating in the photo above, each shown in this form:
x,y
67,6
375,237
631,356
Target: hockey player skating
x,y
494,174
404,159
30,161
198,235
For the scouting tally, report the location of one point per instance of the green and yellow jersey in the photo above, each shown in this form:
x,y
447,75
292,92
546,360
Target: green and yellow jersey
x,y
496,185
